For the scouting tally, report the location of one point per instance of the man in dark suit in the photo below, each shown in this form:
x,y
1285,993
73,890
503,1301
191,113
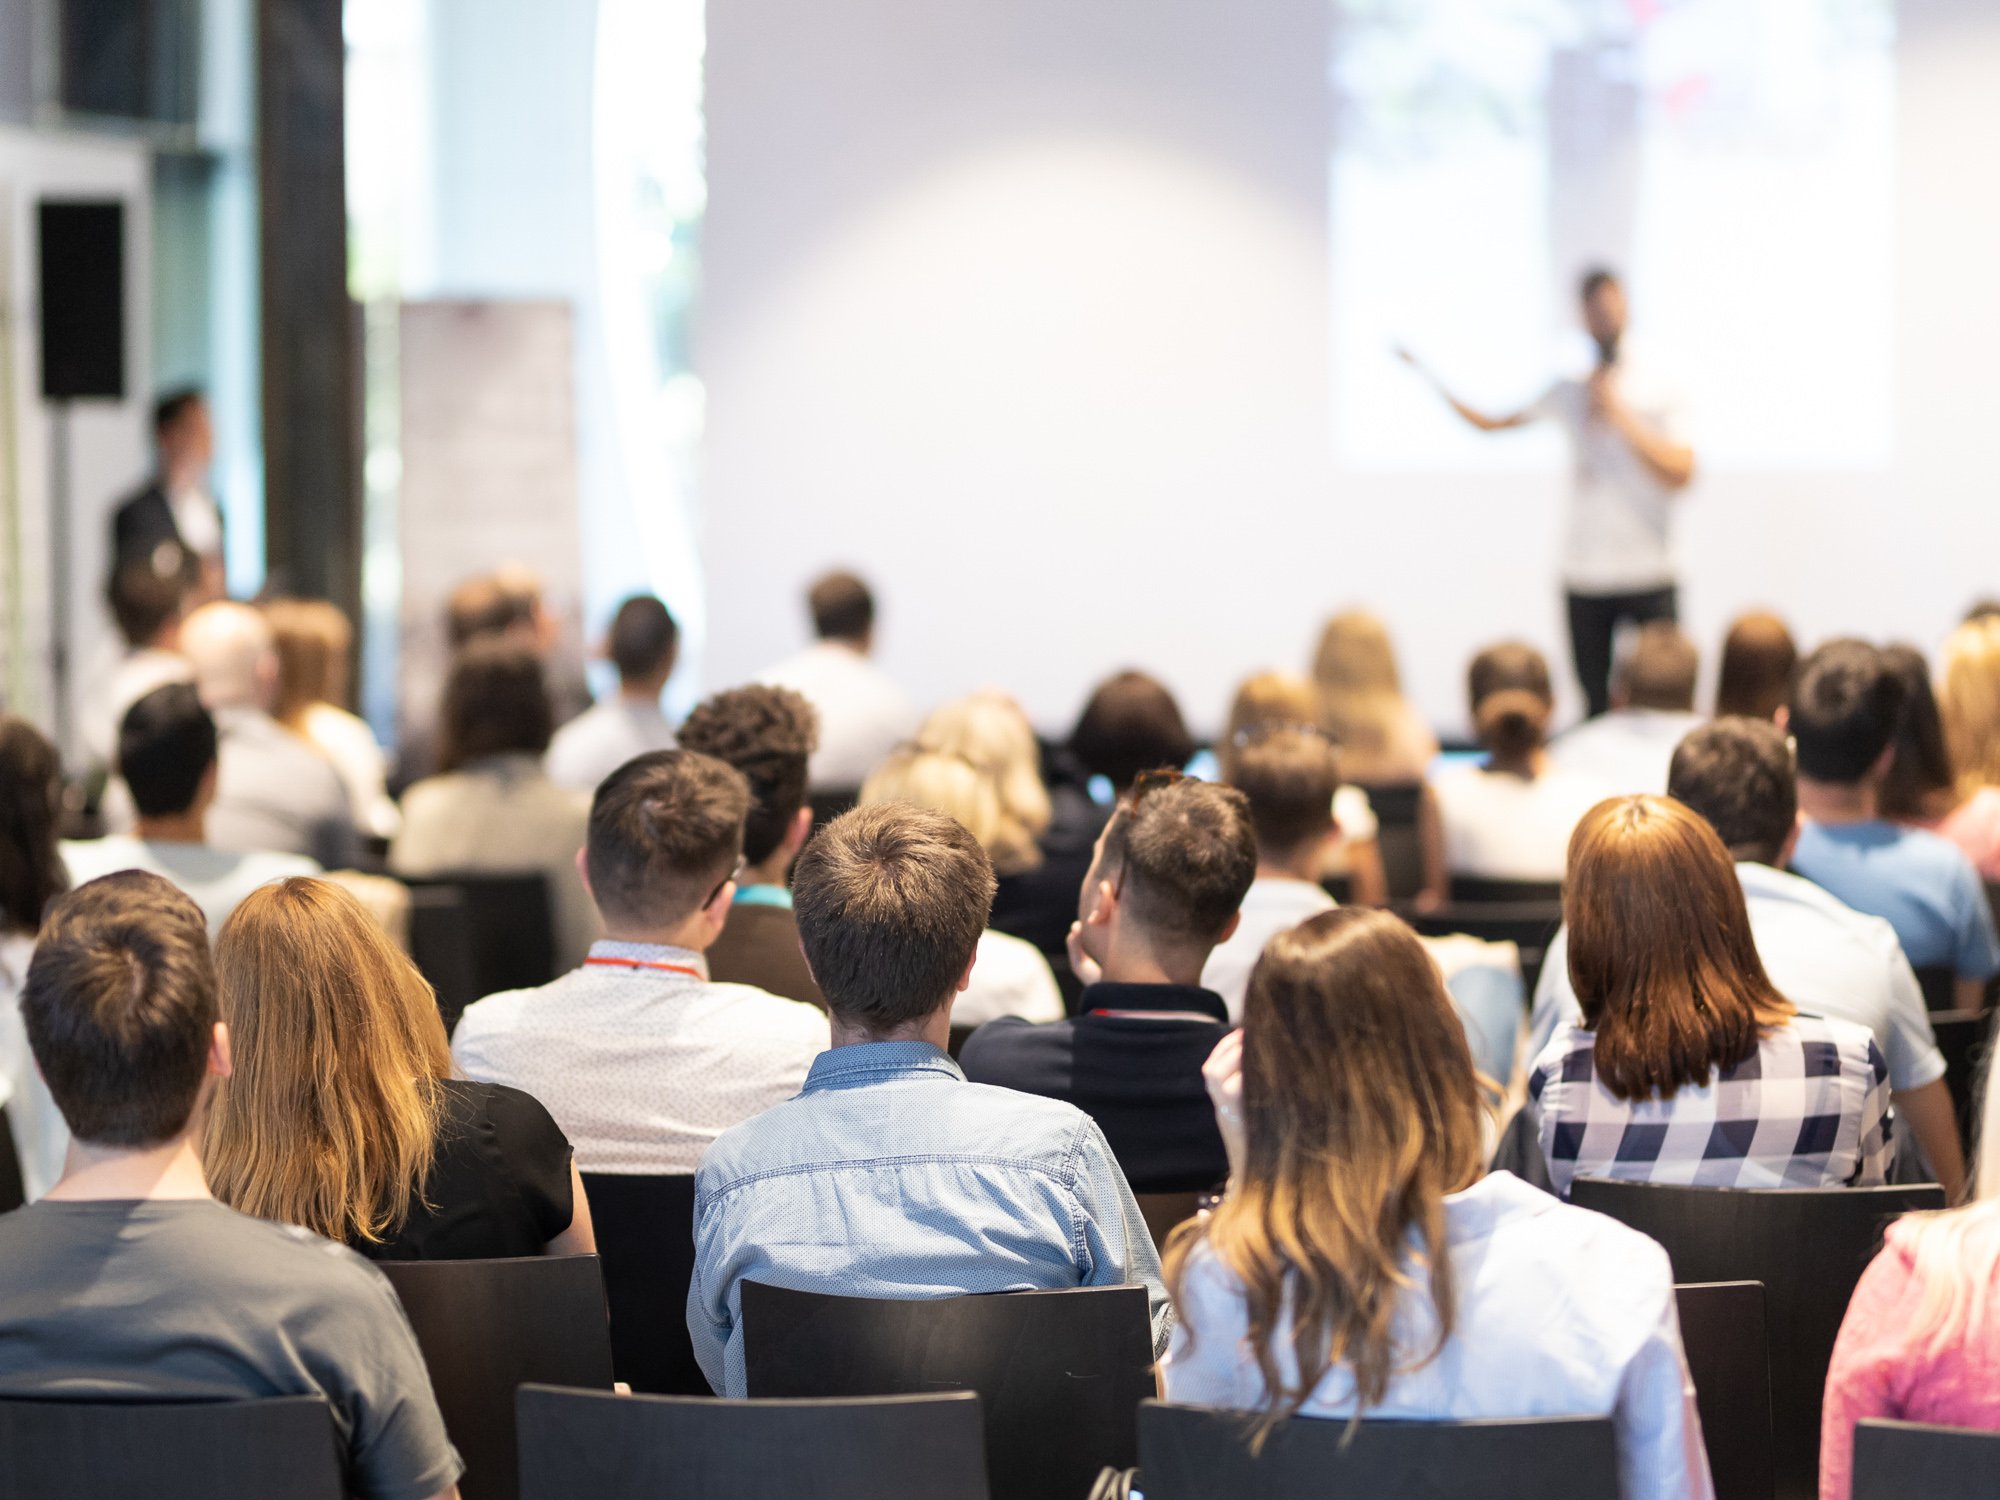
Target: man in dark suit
x,y
173,522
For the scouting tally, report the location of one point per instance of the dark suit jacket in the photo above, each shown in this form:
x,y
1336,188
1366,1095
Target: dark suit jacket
x,y
142,522
760,945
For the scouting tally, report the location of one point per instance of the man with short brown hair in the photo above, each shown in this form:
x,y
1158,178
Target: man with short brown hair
x,y
889,1175
863,715
1626,750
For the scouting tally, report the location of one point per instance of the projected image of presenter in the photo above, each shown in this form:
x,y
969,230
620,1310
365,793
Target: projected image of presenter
x,y
1631,458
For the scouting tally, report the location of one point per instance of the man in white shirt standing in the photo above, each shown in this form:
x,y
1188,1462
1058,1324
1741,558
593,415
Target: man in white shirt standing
x,y
640,1056
862,714
1627,751
1632,457
644,644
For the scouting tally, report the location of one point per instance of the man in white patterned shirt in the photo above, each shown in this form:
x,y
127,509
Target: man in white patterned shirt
x,y
641,1058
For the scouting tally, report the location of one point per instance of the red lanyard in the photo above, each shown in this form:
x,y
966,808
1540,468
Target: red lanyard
x,y
642,963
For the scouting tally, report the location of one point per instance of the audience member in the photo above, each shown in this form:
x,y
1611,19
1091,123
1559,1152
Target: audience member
x,y
862,714
644,644
1652,707
1921,1340
1404,1284
314,641
168,757
889,1175
173,522
1288,776
147,606
1171,872
1969,704
1826,958
1010,978
274,792
1923,788
1758,658
31,876
640,1056
129,1279
1382,739
1846,709
341,1114
1688,1066
491,809
767,733
1131,724
1510,816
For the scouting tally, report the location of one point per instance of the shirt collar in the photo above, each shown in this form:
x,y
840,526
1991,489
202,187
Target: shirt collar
x,y
763,895
1109,995
878,1062
1475,1212
650,953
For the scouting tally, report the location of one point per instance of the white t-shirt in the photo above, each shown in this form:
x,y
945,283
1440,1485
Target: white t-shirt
x,y
1506,827
1618,536
217,879
347,741
602,738
1009,978
41,1138
1273,905
1628,750
862,714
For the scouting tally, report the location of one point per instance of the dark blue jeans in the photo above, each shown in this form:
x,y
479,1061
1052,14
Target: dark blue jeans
x,y
1593,623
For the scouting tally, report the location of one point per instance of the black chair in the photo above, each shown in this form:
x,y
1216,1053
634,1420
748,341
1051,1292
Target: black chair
x,y
441,948
1965,1037
579,1445
645,1242
488,1326
1059,1374
1808,1246
1193,1453
1912,1461
170,1450
1397,806
1729,1357
1530,927
1939,982
828,803
1478,890
13,1192
960,1035
512,926
1165,1212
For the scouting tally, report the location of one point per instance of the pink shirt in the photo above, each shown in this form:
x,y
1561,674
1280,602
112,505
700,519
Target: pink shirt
x,y
1974,825
1880,1370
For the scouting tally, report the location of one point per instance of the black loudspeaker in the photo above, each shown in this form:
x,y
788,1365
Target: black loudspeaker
x,y
83,299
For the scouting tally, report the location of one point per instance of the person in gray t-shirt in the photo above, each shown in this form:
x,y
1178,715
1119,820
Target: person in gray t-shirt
x,y
129,1280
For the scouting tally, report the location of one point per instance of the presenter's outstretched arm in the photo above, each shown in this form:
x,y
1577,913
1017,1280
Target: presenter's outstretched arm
x,y
1484,421
1671,461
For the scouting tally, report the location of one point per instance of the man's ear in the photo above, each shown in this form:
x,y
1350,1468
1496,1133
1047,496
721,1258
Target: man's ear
x,y
1783,718
800,830
965,979
1791,843
1229,928
583,873
1105,906
219,1062
1883,762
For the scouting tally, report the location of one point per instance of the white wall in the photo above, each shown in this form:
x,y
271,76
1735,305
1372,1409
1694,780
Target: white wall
x,y
1023,310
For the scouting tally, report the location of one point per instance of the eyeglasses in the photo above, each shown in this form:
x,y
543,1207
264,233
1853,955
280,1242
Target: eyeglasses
x,y
1256,734
733,876
1148,782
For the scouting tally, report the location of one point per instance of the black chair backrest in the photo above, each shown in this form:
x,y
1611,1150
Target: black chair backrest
x,y
487,1326
1478,890
1808,1246
1729,1357
441,948
1939,982
1912,1461
1193,1453
170,1450
1965,1037
1530,927
13,1192
960,1035
512,922
828,803
1396,805
579,1445
1059,1374
645,1241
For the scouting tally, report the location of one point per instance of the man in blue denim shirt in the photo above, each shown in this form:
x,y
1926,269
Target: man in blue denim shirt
x,y
889,1175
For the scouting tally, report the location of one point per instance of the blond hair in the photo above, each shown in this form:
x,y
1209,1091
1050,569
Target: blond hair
x,y
1969,703
989,730
1267,701
312,638
1360,691
330,1119
954,786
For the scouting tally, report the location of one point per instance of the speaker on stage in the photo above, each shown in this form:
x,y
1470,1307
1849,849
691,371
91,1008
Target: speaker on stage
x,y
82,271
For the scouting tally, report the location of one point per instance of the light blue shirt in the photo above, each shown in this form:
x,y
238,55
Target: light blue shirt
x,y
1922,885
1560,1312
1824,957
890,1176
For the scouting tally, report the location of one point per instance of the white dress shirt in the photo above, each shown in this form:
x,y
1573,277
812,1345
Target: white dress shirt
x,y
641,1058
862,714
1626,751
603,737
216,880
1824,957
1560,1313
41,1139
1274,904
1506,827
1009,978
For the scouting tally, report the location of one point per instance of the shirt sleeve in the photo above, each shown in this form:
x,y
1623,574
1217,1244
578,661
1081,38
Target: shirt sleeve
x,y
1207,1363
1355,815
537,1155
1978,948
710,1318
1117,1247
1913,1056
397,1447
1877,1142
1866,1358
1660,1451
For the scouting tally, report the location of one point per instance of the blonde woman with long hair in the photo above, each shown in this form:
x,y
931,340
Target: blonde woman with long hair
x,y
341,1114
1382,738
1921,1340
1363,1264
989,731
314,640
1969,705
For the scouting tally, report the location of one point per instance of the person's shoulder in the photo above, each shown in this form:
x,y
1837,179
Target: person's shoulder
x,y
776,1014
1007,1045
1807,1028
1564,1240
285,1255
503,1011
265,866
87,859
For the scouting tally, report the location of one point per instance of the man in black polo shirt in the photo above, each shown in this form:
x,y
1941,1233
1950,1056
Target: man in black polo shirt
x,y
1170,871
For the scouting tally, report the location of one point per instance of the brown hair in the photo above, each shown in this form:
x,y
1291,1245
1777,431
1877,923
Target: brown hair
x,y
1921,783
1183,856
1289,777
145,600
964,792
1361,1112
1661,954
1131,724
769,734
665,829
1266,701
1737,774
330,1119
489,605
496,701
313,639
120,1009
842,608
1758,658
1511,698
31,866
1360,691
891,901
1662,669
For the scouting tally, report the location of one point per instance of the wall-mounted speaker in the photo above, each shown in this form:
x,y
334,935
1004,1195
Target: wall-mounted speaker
x,y
82,271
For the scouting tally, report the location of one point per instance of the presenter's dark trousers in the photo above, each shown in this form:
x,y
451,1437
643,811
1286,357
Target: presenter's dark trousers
x,y
1593,623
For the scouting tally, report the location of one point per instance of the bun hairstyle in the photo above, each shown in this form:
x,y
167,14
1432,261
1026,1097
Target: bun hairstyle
x,y
1511,699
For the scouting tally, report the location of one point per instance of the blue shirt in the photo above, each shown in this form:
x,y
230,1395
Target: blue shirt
x,y
890,1176
1919,883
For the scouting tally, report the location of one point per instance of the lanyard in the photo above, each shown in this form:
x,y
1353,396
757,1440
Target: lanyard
x,y
642,963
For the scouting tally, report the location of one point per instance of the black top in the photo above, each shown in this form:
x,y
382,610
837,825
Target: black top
x,y
142,523
500,1184
1138,1076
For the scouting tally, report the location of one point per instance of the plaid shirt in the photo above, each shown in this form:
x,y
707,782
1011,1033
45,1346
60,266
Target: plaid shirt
x,y
1809,1108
